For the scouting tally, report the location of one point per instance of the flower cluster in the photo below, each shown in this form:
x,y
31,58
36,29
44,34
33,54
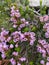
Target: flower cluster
x,y
5,38
27,36
46,28
15,12
21,23
43,48
17,37
10,40
17,20
44,18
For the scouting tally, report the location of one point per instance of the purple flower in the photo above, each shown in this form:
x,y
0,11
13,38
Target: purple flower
x,y
22,25
47,58
44,55
27,23
15,53
47,63
42,62
18,63
16,45
8,39
11,46
47,30
22,59
45,18
13,62
47,35
41,18
16,39
31,42
2,38
46,25
23,19
14,26
30,36
43,48
17,14
13,19
4,32
13,7
5,47
12,14
3,55
43,42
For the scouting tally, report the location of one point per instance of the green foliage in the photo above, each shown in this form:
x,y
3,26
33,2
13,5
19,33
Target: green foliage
x,y
31,63
4,13
8,53
42,8
12,29
24,2
23,63
27,12
22,11
34,28
11,42
17,49
26,29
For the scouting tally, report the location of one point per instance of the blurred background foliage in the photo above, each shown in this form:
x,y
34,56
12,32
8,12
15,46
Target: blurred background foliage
x,y
4,13
5,10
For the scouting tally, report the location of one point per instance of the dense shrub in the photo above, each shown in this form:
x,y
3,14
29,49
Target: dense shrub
x,y
24,38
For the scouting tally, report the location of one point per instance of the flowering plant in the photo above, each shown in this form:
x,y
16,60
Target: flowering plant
x,y
26,41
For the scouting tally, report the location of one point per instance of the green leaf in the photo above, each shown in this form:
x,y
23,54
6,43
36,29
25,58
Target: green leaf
x,y
18,49
31,63
34,28
26,29
40,2
11,42
11,29
26,2
22,12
